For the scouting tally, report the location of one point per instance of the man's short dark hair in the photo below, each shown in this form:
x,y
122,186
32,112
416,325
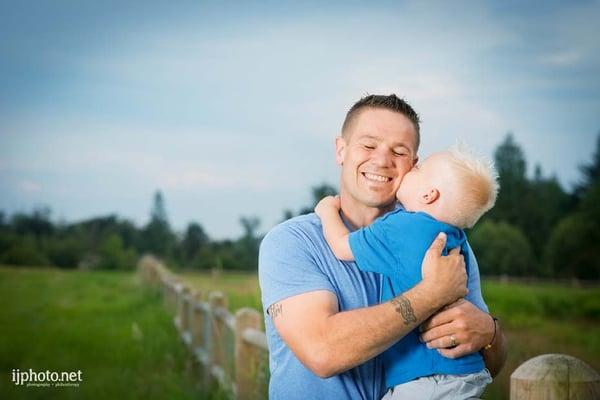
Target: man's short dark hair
x,y
392,103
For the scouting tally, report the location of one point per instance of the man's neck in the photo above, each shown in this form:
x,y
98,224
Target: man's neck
x,y
358,215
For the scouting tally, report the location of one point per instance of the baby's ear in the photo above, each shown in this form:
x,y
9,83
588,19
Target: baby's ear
x,y
430,195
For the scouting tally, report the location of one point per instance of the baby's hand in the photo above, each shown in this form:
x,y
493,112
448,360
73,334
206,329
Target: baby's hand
x,y
328,203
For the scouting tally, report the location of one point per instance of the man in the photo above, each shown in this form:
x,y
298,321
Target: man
x,y
323,322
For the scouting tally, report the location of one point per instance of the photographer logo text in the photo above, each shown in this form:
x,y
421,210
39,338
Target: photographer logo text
x,y
46,378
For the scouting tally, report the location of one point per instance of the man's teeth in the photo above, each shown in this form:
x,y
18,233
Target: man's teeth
x,y
377,178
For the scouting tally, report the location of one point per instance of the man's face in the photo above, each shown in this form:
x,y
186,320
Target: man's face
x,y
379,148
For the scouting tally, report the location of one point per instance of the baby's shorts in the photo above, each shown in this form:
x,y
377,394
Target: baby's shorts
x,y
438,387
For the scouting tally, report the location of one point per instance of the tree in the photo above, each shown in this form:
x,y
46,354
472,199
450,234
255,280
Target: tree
x,y
194,240
572,250
318,192
534,206
3,222
157,236
246,249
544,203
511,166
113,255
37,224
64,251
502,249
23,250
250,224
591,172
158,212
510,159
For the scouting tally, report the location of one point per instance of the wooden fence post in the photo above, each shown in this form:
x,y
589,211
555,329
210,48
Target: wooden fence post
x,y
180,318
554,377
216,300
165,291
185,309
172,296
196,320
247,358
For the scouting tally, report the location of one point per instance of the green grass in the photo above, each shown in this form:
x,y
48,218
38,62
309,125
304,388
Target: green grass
x,y
117,332
537,319
241,288
544,318
106,324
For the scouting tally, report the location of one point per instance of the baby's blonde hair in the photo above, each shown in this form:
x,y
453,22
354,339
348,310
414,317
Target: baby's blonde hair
x,y
476,179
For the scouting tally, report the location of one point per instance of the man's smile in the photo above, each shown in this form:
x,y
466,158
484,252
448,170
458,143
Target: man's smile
x,y
376,177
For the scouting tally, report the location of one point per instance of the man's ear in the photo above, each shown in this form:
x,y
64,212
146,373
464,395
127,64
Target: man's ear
x,y
340,149
429,196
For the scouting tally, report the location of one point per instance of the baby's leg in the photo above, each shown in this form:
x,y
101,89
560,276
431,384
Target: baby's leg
x,y
440,387
419,389
470,386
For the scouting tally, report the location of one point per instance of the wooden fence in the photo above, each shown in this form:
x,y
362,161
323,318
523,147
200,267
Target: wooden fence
x,y
232,350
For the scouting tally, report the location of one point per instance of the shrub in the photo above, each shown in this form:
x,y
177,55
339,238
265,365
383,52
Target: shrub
x,y
502,249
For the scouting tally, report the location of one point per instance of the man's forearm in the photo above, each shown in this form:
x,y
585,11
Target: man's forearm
x,y
352,337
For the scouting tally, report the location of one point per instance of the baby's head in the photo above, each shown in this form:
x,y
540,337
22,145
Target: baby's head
x,y
454,186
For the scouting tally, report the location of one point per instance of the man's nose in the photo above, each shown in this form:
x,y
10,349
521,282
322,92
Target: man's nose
x,y
383,158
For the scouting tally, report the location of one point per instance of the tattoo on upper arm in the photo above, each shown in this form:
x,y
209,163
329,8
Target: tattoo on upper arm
x,y
275,310
404,308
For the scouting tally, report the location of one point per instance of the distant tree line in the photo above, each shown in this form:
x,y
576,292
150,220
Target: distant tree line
x,y
536,229
110,242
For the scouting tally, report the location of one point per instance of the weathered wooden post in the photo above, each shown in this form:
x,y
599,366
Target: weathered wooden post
x,y
216,301
196,319
181,317
151,271
171,295
192,331
554,377
185,309
165,290
247,357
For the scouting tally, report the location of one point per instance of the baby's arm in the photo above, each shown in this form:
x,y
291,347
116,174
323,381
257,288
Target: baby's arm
x,y
336,233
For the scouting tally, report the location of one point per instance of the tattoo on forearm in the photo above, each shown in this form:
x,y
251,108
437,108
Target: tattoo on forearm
x,y
275,310
404,308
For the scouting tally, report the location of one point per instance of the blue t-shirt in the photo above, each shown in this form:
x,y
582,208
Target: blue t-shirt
x,y
294,258
395,245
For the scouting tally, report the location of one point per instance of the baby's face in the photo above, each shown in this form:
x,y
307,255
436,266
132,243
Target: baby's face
x,y
419,179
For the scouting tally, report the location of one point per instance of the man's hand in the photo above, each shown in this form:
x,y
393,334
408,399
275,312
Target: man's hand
x,y
444,276
328,204
471,328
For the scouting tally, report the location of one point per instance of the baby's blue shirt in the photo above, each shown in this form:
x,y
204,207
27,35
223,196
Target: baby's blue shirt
x,y
395,245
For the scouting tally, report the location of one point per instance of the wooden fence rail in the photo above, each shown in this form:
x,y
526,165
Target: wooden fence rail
x,y
232,350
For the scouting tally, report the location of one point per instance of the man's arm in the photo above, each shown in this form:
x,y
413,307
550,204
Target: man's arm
x,y
329,342
335,232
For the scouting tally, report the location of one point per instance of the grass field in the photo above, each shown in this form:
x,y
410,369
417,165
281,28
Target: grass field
x,y
537,319
105,324
116,331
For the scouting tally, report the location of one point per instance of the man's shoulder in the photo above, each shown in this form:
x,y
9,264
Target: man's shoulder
x,y
302,225
307,223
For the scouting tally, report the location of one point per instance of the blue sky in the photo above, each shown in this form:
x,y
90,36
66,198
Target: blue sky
x,y
232,109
